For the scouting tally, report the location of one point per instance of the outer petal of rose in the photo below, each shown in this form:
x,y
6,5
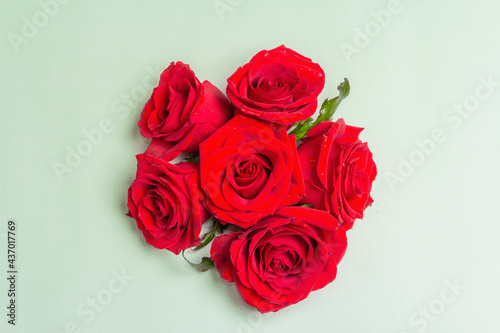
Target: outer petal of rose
x,y
199,213
195,181
351,133
324,127
146,112
144,161
232,87
217,139
309,152
282,118
132,208
238,218
210,112
255,300
174,67
337,243
167,151
297,185
176,109
220,254
239,257
316,196
326,275
314,217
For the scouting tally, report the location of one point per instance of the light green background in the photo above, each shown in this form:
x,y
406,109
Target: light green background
x,y
438,225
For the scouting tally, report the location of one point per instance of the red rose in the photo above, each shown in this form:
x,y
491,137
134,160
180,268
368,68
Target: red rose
x,y
248,170
278,85
338,170
164,199
284,257
182,112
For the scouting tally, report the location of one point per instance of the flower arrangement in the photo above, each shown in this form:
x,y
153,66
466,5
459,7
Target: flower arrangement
x,y
280,188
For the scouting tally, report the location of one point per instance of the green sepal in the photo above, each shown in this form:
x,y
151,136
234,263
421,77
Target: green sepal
x,y
326,111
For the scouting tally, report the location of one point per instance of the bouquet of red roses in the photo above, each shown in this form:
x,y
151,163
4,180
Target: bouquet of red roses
x,y
280,188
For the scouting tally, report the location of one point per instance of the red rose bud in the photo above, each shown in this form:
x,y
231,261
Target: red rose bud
x,y
182,112
279,85
338,170
284,257
164,199
248,170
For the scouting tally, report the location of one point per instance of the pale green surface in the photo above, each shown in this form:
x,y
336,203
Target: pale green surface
x,y
440,224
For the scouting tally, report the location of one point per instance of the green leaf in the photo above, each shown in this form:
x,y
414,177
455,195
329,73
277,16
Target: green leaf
x,y
205,264
326,111
207,238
